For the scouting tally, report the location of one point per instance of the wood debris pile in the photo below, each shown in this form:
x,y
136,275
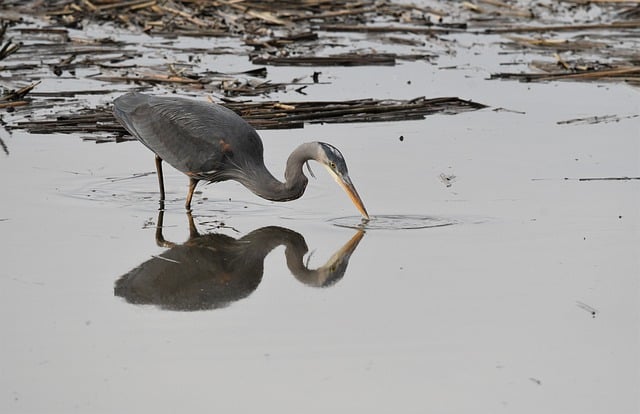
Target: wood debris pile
x,y
101,126
98,49
287,32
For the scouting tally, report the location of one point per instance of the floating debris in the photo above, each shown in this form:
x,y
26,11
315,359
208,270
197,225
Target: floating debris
x,y
19,94
588,308
597,119
572,27
581,72
447,179
607,178
48,40
535,380
264,115
349,59
591,179
267,115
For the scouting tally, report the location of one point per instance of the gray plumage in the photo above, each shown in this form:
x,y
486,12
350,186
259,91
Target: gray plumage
x,y
209,142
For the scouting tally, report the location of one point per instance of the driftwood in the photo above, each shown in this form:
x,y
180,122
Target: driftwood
x,y
351,59
634,24
603,179
292,33
585,73
264,115
596,119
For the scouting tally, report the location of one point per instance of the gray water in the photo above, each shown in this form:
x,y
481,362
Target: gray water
x,y
527,302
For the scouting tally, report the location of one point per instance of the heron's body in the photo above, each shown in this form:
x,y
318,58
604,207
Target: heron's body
x,y
209,142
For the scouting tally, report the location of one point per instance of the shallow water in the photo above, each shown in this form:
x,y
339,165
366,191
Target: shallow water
x,y
393,222
526,303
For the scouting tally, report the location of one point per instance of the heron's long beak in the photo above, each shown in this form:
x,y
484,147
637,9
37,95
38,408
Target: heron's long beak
x,y
350,189
345,251
334,268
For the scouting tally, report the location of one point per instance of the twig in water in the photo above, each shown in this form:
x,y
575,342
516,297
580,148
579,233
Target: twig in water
x,y
605,178
588,308
596,119
138,175
4,146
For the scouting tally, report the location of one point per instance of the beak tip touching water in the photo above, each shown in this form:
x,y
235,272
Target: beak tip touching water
x,y
345,182
363,211
354,196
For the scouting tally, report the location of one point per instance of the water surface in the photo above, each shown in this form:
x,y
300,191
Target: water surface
x,y
456,319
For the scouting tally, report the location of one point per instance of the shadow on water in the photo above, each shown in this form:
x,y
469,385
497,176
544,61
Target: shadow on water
x,y
211,271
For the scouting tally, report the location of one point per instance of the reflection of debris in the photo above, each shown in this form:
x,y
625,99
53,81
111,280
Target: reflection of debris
x,y
596,119
448,180
588,308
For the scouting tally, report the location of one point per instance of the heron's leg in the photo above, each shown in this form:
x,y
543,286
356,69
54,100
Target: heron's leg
x,y
160,178
192,186
160,241
193,231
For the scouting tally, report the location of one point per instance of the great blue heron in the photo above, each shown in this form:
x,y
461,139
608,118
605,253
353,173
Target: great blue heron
x,y
210,142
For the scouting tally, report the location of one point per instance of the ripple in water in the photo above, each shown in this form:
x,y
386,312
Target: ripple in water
x,y
393,222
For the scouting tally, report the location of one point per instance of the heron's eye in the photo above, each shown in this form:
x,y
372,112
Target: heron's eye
x,y
332,165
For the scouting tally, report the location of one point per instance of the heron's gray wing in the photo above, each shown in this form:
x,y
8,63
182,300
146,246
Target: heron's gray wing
x,y
197,138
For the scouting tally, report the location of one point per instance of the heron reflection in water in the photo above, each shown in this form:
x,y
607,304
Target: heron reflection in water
x,y
211,271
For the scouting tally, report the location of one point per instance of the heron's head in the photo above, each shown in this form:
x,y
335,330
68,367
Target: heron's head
x,y
333,270
334,162
336,266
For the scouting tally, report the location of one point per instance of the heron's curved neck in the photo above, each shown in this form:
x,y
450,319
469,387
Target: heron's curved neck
x,y
265,185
